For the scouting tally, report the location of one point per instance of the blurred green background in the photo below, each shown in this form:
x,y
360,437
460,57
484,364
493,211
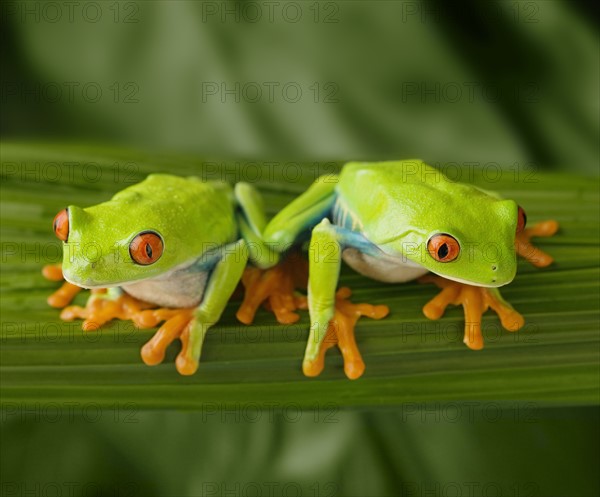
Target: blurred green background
x,y
480,82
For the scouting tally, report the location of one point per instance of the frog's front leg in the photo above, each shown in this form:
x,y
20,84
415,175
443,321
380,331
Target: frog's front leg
x,y
192,324
475,301
103,305
328,317
66,293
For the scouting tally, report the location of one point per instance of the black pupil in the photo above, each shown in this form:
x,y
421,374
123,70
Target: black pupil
x,y
443,251
149,251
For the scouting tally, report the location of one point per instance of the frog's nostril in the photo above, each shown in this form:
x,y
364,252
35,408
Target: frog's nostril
x,y
494,268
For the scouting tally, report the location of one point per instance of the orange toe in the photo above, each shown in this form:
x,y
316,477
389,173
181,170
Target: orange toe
x,y
275,288
186,366
53,272
153,352
64,295
340,332
528,251
475,302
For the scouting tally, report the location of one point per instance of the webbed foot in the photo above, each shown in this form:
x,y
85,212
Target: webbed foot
x,y
275,288
527,250
177,323
100,310
340,332
475,301
66,293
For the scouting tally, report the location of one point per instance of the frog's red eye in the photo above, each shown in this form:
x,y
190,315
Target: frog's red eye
x,y
521,220
146,248
443,247
61,225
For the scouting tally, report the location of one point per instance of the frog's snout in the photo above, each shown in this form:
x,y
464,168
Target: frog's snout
x,y
82,272
501,274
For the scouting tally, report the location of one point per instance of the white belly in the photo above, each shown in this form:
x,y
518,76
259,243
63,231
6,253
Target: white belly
x,y
389,269
178,289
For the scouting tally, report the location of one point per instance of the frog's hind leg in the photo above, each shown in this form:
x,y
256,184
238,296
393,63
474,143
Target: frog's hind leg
x,y
276,289
332,315
276,286
252,221
475,301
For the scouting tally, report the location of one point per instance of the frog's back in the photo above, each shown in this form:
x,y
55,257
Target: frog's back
x,y
189,204
388,178
173,188
402,191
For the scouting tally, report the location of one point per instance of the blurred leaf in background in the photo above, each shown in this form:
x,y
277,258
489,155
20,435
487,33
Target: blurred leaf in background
x,y
495,81
483,84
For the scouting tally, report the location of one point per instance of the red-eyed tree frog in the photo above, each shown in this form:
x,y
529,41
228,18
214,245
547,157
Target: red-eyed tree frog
x,y
395,222
183,244
178,243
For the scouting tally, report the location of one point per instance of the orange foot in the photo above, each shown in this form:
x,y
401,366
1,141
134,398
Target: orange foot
x,y
177,324
100,310
340,332
66,293
275,288
475,301
525,248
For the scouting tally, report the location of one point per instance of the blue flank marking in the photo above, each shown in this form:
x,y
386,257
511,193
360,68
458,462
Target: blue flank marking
x,y
343,217
304,235
206,262
348,238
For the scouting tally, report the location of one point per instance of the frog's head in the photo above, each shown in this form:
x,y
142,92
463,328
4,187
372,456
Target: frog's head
x,y
470,238
123,240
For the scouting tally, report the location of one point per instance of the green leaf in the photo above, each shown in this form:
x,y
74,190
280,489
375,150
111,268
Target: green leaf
x,y
553,360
